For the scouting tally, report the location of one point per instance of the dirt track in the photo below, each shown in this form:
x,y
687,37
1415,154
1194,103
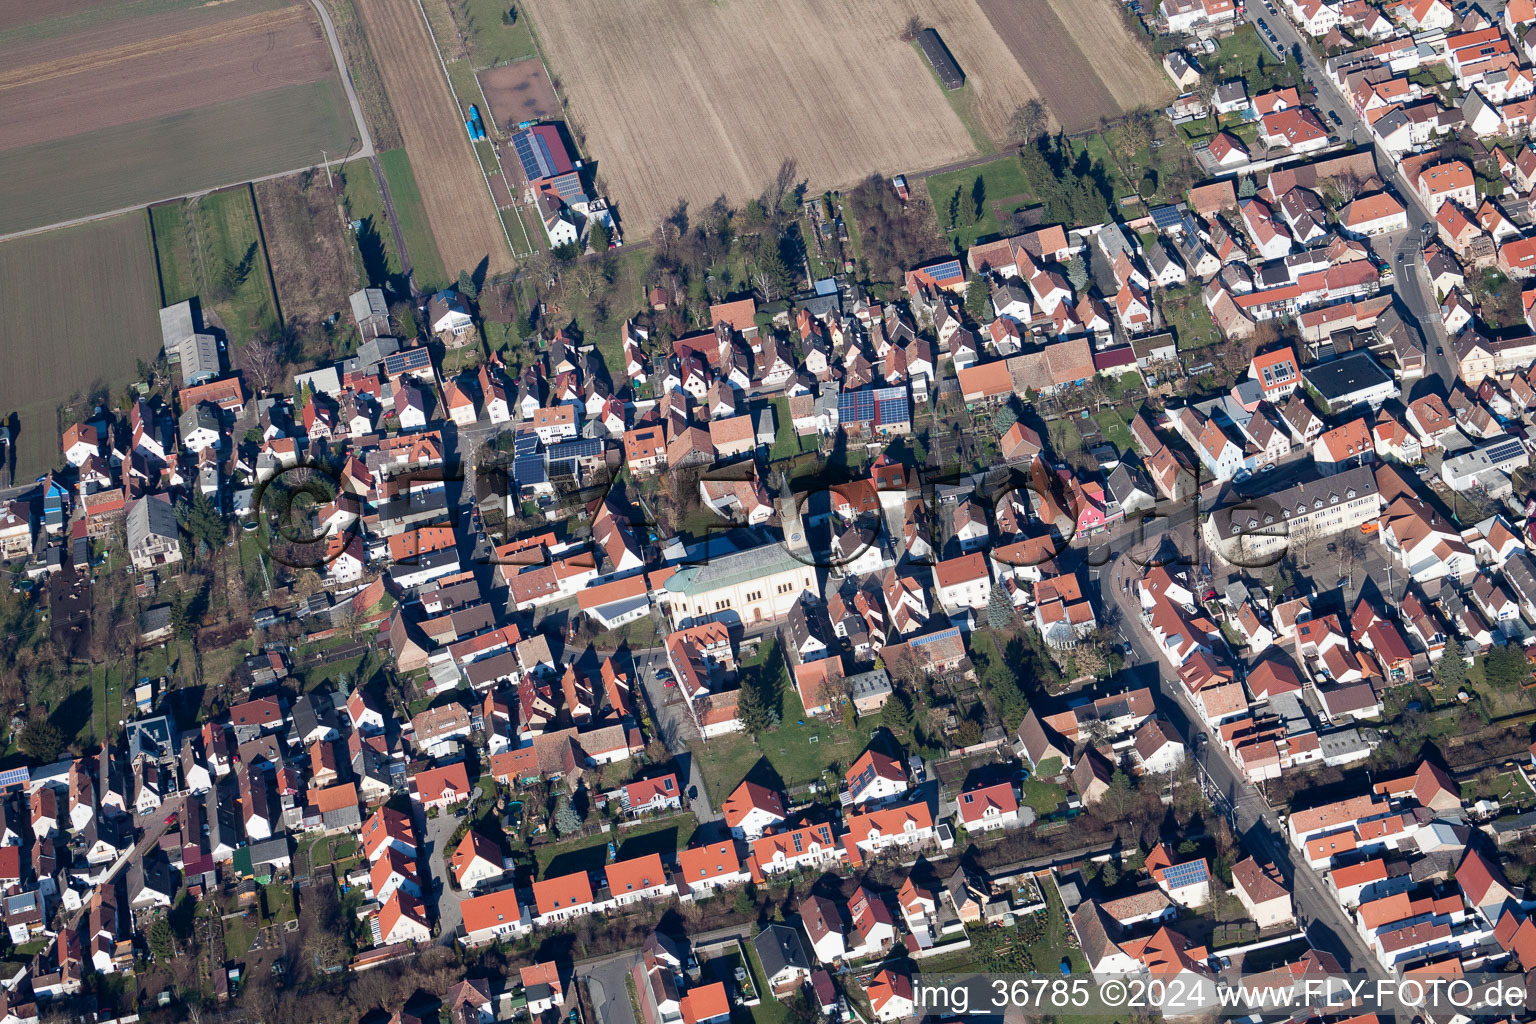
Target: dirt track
x,y
185,71
464,222
519,91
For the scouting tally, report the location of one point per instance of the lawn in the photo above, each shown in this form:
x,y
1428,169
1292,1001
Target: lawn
x,y
491,39
1244,55
590,853
425,260
1185,315
1003,189
799,750
467,90
1098,152
1114,428
786,443
238,936
377,256
211,249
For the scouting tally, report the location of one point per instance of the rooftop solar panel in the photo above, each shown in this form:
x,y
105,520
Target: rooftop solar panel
x,y
940,271
1506,450
1189,873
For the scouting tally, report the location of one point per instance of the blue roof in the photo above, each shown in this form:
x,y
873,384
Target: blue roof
x,y
1166,216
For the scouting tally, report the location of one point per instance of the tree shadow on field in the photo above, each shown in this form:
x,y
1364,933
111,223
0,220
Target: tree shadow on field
x,y
376,261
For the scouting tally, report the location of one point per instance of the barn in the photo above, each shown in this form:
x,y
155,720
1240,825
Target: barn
x,y
939,56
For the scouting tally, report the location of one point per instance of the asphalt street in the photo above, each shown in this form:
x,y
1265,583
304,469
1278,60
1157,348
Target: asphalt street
x,y
1412,282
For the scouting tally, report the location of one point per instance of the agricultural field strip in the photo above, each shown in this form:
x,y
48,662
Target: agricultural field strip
x,y
397,31
159,48
485,107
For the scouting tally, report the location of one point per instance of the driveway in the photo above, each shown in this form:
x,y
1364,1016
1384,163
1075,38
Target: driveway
x,y
670,714
438,831
608,990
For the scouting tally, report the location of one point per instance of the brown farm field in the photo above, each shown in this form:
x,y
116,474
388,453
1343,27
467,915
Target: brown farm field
x,y
697,100
104,107
1081,57
55,350
520,91
458,204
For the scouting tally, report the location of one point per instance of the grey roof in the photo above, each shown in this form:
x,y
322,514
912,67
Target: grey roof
x,y
149,517
1347,375
1125,480
778,946
1268,513
176,324
200,415
735,567
270,851
151,737
368,302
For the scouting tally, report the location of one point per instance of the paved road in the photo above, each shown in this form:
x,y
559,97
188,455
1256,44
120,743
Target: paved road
x,y
608,990
1412,282
1261,832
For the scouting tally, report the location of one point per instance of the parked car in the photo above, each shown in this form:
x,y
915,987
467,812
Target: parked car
x,y
1333,115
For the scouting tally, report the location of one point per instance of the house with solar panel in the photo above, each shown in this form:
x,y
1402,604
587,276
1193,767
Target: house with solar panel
x,y
1187,883
553,177
877,412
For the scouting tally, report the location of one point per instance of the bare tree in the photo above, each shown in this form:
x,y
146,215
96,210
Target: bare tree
x,y
262,364
912,29
586,278
783,184
1029,121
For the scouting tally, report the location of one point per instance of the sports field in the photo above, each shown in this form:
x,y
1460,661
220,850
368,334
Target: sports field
x,y
80,311
108,106
458,205
1080,57
696,100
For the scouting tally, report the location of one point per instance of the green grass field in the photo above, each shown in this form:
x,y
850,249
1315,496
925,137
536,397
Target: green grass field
x,y
1004,189
491,40
591,852
799,749
80,310
428,265
211,249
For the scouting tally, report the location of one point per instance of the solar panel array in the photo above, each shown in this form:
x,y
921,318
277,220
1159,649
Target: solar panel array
x,y
1506,450
856,406
581,448
526,444
893,405
1166,216
533,154
1189,873
941,271
529,470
